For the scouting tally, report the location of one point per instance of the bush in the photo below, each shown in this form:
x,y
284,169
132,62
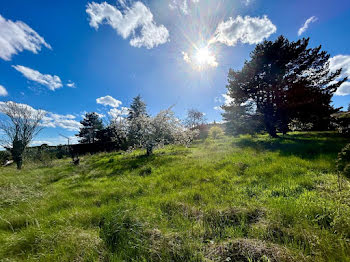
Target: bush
x,y
216,132
4,156
343,161
297,125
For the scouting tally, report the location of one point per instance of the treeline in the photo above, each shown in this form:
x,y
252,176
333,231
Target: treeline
x,y
137,130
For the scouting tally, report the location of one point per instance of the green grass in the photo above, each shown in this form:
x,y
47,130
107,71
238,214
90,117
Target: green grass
x,y
233,199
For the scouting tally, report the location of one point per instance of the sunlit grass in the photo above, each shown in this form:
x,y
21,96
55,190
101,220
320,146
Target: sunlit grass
x,y
243,198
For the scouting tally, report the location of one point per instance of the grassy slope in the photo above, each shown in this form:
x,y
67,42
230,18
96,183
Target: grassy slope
x,y
240,198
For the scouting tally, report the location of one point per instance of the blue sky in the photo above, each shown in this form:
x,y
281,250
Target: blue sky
x,y
61,56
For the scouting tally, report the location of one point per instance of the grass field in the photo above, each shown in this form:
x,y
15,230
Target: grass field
x,y
233,199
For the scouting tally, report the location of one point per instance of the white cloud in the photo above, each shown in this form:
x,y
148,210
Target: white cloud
x,y
117,113
218,108
340,61
182,5
51,81
248,30
3,91
228,99
343,90
16,37
53,120
306,24
64,121
137,17
71,84
108,101
337,62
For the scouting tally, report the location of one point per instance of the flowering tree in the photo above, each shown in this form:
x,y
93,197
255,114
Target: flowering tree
x,y
160,130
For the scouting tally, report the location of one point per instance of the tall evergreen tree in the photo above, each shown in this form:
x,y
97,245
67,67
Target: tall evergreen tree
x,y
286,80
91,125
137,112
137,108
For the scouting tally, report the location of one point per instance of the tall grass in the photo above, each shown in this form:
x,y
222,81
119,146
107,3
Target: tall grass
x,y
230,199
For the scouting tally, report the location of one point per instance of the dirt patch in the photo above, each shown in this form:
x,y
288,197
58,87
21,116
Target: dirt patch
x,y
247,250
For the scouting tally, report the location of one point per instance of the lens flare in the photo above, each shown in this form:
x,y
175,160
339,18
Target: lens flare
x,y
201,58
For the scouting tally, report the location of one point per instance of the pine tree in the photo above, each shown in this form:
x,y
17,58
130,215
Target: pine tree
x,y
137,108
286,80
137,112
91,125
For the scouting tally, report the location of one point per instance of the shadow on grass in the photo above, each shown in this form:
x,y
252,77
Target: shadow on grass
x,y
130,163
305,145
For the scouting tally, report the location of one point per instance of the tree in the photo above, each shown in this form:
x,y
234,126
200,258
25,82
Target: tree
x,y
91,124
286,80
20,125
216,132
241,118
349,107
115,131
137,108
136,119
194,118
160,130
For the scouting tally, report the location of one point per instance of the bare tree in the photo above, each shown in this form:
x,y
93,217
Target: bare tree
x,y
194,119
20,123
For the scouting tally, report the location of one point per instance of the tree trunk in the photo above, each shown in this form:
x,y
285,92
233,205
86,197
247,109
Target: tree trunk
x,y
19,163
149,150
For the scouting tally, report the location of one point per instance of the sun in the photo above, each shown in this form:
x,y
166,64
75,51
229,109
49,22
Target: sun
x,y
204,58
200,58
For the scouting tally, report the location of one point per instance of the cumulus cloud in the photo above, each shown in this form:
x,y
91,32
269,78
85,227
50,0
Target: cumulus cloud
x,y
247,30
136,22
306,25
51,119
115,112
3,91
340,61
337,62
51,81
118,113
343,90
18,36
108,101
64,121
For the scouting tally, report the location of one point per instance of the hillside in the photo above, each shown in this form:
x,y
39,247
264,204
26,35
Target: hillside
x,y
233,199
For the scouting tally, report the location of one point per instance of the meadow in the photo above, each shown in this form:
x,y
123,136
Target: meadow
x,y
247,198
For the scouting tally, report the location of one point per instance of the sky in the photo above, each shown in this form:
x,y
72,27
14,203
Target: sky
x,y
72,57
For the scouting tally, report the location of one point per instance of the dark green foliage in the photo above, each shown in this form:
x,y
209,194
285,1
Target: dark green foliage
x,y
137,108
4,156
284,80
242,119
343,161
91,124
137,111
341,121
